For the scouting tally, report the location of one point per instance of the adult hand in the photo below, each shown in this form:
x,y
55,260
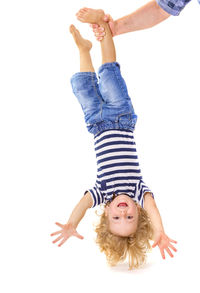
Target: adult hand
x,y
66,231
164,243
99,30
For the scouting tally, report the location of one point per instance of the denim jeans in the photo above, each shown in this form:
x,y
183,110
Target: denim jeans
x,y
105,101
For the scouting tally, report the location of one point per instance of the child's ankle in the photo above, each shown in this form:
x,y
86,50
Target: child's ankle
x,y
101,22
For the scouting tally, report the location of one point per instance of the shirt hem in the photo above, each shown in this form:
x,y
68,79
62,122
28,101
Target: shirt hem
x,y
167,9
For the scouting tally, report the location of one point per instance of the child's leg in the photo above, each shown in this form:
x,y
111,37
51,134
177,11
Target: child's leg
x,y
84,47
111,84
85,84
89,15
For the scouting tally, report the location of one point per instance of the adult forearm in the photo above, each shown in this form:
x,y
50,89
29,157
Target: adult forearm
x,y
145,17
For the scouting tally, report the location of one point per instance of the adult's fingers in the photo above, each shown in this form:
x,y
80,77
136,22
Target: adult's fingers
x,y
99,30
99,33
93,25
108,18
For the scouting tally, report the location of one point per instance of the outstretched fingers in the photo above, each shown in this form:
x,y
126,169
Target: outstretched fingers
x,y
163,248
162,252
56,233
155,244
169,252
173,241
172,247
60,225
78,235
62,242
57,239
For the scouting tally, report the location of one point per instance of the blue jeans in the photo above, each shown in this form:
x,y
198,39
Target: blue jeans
x,y
105,101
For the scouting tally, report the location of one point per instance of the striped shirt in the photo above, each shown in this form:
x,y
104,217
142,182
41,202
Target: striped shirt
x,y
173,7
118,170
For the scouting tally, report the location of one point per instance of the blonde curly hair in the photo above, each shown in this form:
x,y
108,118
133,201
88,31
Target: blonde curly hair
x,y
117,248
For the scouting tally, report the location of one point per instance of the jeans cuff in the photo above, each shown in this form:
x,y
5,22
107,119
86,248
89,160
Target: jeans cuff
x,y
83,75
108,65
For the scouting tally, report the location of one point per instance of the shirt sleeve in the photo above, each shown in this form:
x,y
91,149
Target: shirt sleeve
x,y
173,7
96,195
141,190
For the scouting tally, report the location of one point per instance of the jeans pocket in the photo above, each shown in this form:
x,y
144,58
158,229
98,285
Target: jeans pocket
x,y
127,120
123,118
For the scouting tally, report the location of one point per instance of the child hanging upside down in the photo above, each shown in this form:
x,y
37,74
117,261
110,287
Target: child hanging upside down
x,y
130,218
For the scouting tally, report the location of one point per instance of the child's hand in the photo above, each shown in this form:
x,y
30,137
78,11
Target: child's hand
x,y
67,231
163,242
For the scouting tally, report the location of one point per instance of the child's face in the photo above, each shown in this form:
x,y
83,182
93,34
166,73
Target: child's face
x,y
122,215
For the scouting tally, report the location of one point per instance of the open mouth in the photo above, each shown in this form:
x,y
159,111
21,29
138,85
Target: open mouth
x,y
122,204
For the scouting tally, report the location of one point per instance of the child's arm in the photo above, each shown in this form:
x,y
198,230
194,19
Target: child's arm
x,y
69,229
159,236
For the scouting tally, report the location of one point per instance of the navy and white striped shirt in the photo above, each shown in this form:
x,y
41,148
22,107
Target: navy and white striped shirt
x,y
118,167
173,7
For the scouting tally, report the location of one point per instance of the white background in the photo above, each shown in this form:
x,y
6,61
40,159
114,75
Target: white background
x,y
47,159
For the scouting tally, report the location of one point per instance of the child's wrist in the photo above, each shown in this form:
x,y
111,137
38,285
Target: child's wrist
x,y
158,231
71,224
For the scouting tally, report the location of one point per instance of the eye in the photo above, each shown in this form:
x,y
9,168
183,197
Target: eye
x,y
130,217
116,218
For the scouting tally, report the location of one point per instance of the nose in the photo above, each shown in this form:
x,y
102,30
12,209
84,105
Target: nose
x,y
123,212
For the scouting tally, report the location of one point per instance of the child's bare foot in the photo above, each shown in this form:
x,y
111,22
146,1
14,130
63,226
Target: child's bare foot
x,y
90,15
82,43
